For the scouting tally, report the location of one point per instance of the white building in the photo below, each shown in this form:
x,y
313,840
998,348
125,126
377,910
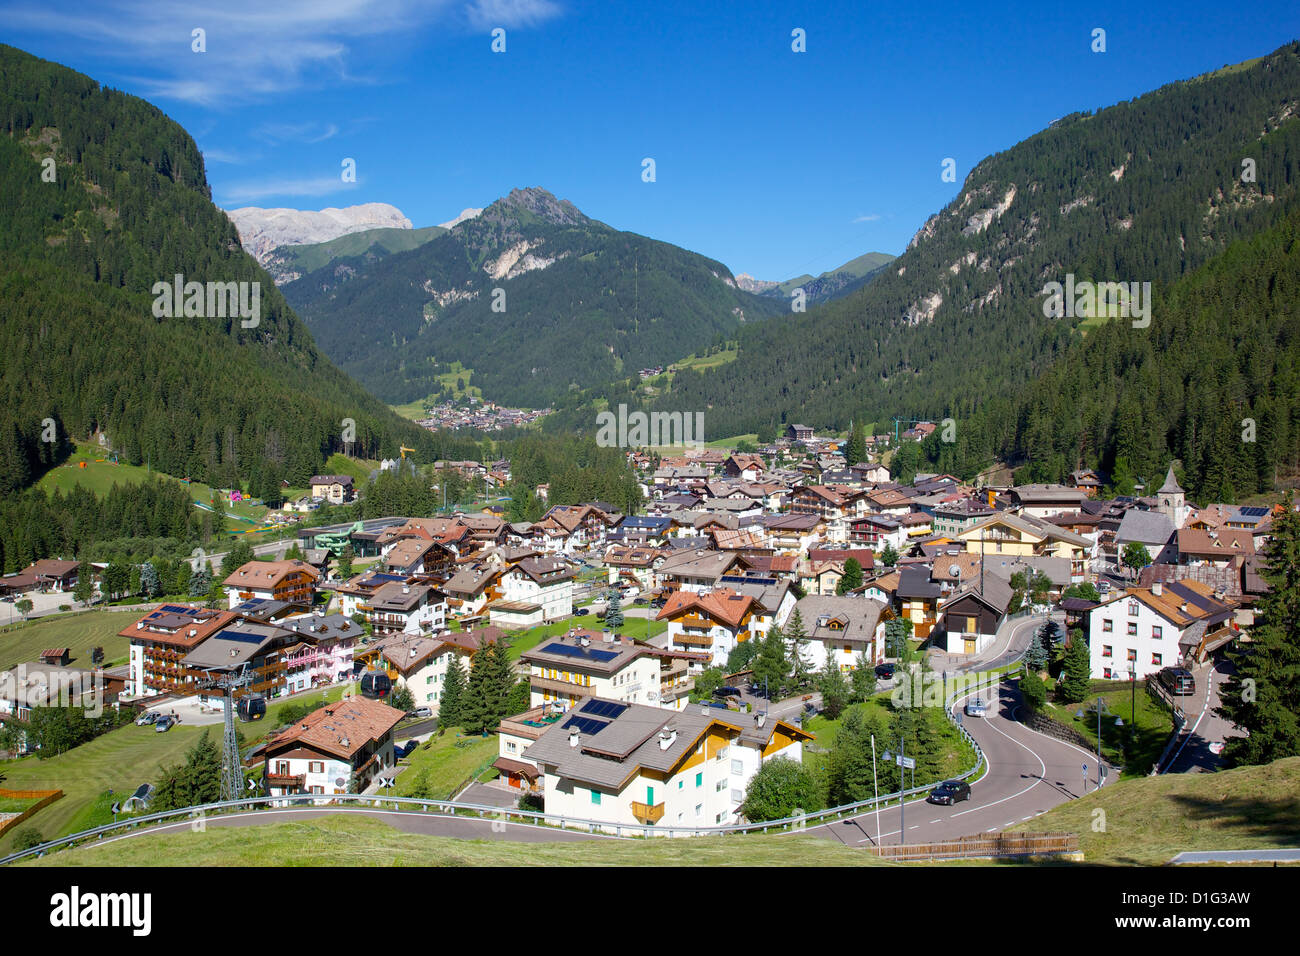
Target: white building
x,y
547,582
1142,630
627,763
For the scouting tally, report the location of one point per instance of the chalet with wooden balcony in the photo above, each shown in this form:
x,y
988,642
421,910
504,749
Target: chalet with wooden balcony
x,y
623,764
421,662
1024,535
714,622
293,581
161,639
584,663
473,587
398,607
257,649
323,654
338,748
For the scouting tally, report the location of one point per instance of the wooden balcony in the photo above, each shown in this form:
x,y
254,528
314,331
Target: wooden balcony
x,y
285,781
686,637
560,686
645,813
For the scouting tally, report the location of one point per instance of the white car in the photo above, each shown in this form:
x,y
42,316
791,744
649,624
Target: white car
x,y
976,708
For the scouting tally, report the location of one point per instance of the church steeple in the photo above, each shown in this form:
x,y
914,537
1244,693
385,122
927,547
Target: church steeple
x,y
1172,500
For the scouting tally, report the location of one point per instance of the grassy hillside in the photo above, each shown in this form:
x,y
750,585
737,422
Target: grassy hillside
x,y
354,840
1150,820
120,760
372,243
23,643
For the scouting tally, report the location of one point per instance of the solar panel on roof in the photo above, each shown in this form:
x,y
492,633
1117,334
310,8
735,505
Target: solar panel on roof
x,y
1252,511
568,650
585,725
602,708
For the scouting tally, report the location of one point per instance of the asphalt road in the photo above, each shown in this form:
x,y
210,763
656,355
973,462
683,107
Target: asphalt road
x,y
1027,775
1205,730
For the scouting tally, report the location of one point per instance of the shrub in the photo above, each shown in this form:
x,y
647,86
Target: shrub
x,y
28,837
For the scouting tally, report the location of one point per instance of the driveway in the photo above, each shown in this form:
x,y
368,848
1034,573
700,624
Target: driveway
x,y
1193,754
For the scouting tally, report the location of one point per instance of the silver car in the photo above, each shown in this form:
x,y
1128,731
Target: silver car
x,y
976,708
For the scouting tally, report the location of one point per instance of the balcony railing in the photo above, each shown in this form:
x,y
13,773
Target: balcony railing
x,y
644,813
285,780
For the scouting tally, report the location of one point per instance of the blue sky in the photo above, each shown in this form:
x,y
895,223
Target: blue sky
x,y
774,162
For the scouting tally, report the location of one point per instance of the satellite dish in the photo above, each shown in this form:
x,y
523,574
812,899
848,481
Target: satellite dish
x,y
340,782
954,571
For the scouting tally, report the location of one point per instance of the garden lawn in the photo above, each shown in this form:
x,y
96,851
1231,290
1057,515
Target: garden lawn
x,y
634,627
23,643
1154,727
449,760
120,760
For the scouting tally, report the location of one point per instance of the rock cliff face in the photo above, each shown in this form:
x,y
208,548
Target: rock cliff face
x,y
262,230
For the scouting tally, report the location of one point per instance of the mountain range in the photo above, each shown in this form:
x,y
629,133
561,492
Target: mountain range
x,y
106,201
831,284
1147,191
533,295
262,230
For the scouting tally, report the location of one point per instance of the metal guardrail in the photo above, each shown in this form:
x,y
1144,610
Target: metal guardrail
x,y
452,808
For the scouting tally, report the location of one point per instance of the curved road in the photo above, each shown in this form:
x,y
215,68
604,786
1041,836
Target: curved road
x,y
1027,774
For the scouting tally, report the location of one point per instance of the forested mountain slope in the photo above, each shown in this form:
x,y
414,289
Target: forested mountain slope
x,y
80,346
1144,191
580,304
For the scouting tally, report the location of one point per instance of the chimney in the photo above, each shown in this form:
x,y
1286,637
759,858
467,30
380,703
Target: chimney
x,y
1157,588
666,738
585,641
573,737
762,719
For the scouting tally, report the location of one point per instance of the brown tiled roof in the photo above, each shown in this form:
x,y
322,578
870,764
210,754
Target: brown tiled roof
x,y
341,729
721,604
267,574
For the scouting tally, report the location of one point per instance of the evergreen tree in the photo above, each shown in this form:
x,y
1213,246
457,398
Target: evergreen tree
x,y
452,699
1074,683
834,688
240,553
889,557
1036,656
855,450
1262,697
200,582
862,682
614,611
798,638
852,577
85,588
196,781
346,558
771,666
742,654
150,585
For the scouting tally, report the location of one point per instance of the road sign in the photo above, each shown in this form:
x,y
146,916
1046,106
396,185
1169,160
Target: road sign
x,y
908,763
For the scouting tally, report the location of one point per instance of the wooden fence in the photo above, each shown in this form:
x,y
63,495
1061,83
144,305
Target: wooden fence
x,y
46,797
995,846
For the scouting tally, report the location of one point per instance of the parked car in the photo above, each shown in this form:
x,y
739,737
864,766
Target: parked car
x,y
148,717
885,671
639,600
727,692
1178,681
976,708
420,712
163,724
581,612
716,703
949,792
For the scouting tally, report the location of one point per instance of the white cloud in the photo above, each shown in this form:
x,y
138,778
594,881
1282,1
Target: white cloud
x,y
238,194
254,49
872,217
485,14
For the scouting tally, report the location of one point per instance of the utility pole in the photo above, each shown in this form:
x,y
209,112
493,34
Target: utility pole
x,y
232,771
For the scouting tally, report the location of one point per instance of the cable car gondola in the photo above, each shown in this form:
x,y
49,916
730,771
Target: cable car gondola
x,y
376,685
251,707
